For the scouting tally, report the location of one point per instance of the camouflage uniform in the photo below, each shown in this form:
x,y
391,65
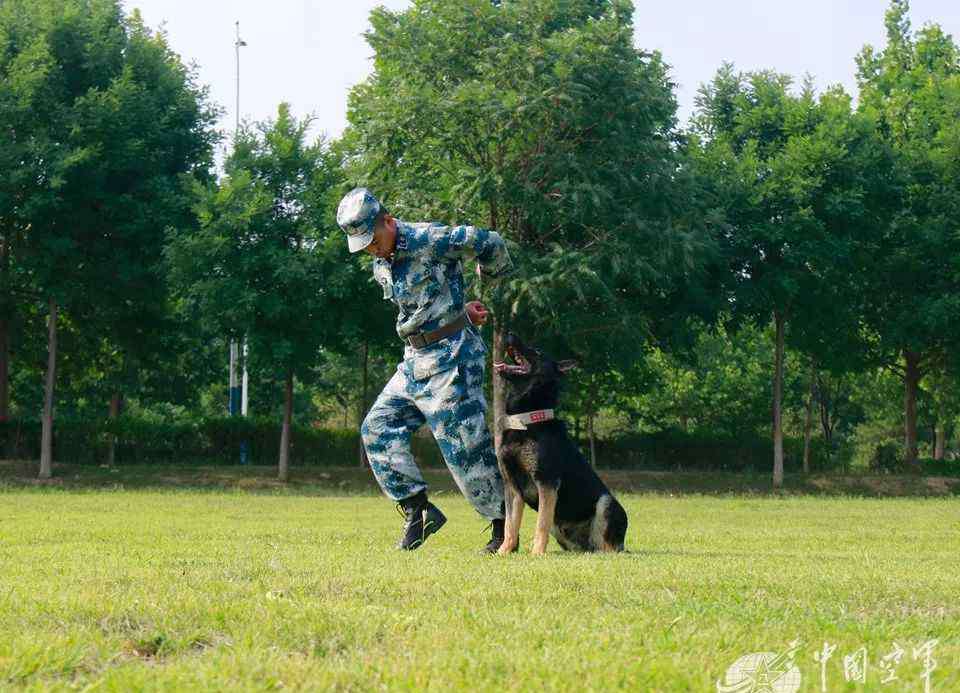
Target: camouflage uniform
x,y
440,384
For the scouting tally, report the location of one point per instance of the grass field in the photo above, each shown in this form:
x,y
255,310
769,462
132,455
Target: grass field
x,y
246,586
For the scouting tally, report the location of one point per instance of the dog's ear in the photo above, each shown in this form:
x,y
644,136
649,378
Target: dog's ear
x,y
566,365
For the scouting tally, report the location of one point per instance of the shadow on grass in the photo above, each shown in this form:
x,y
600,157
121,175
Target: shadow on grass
x,y
332,481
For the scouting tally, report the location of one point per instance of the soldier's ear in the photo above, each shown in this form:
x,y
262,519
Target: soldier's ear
x,y
566,365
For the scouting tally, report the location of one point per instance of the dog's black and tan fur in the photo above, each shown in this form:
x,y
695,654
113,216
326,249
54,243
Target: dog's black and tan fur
x,y
544,469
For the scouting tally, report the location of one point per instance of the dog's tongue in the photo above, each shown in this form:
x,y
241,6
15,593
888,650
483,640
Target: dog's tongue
x,y
508,368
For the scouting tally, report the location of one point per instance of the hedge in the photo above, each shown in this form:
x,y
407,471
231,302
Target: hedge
x,y
217,441
674,450
207,441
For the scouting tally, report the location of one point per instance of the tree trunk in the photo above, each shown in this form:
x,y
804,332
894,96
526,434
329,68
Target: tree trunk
x,y
911,381
941,440
4,369
808,423
499,393
777,402
496,356
593,442
826,419
362,451
499,404
46,439
116,404
284,474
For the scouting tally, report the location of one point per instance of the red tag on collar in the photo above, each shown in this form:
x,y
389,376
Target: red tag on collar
x,y
538,416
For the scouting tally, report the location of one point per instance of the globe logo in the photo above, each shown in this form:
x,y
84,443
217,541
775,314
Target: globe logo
x,y
762,672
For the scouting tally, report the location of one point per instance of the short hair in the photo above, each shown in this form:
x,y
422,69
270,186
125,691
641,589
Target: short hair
x,y
381,215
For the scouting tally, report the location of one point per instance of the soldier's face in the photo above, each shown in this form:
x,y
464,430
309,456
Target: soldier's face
x,y
384,238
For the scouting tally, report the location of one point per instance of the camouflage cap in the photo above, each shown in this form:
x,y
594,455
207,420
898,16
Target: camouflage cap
x,y
356,215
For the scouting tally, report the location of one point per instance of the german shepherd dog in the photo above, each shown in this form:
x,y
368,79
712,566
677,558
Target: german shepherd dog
x,y
543,467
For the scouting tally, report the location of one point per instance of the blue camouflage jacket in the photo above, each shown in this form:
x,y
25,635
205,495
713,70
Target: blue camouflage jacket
x,y
425,281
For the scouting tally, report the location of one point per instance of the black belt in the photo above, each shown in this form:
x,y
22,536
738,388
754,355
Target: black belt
x,y
418,341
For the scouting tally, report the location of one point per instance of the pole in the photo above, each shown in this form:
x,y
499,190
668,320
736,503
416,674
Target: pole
x,y
238,394
238,44
233,403
245,383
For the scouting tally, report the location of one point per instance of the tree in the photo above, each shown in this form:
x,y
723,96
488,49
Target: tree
x,y
107,123
263,263
792,177
541,119
720,386
911,89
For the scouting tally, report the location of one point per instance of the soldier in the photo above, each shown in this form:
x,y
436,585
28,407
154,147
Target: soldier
x,y
440,380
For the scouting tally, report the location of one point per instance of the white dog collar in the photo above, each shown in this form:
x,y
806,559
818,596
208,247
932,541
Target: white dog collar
x,y
519,422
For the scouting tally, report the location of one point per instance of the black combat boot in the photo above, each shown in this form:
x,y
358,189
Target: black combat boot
x,y
422,518
496,538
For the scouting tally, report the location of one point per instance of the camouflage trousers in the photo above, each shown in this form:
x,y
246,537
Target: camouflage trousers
x,y
452,404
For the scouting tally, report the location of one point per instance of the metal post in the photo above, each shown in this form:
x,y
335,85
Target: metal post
x,y
244,445
238,44
238,394
233,404
245,383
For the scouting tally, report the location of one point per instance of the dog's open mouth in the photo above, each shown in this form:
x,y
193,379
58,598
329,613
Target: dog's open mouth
x,y
520,365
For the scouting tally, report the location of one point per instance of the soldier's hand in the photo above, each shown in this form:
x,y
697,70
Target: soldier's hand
x,y
477,312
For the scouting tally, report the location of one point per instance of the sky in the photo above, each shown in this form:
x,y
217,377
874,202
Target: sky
x,y
310,52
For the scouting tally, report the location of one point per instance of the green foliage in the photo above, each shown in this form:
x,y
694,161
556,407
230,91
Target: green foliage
x,y
541,119
911,89
104,132
944,467
142,440
722,384
338,388
675,450
109,124
793,180
216,440
260,262
536,117
887,458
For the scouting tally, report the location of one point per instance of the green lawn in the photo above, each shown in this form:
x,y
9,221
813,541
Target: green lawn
x,y
227,588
